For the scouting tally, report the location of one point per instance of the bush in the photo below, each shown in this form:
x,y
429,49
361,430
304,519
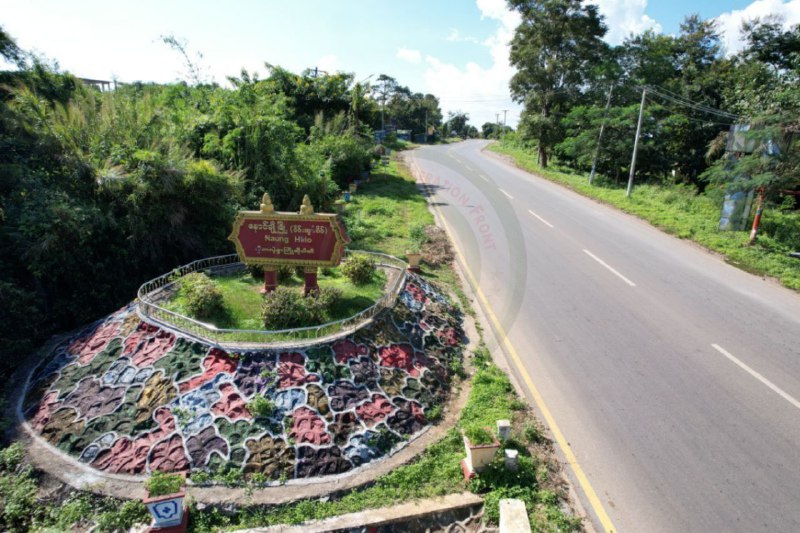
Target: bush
x,y
323,300
161,484
257,271
261,407
478,435
348,156
129,514
203,298
359,269
286,308
285,273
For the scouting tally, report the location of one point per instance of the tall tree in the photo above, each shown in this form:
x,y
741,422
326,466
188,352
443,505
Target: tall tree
x,y
458,124
554,49
385,87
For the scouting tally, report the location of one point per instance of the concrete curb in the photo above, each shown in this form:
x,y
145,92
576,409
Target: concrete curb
x,y
383,516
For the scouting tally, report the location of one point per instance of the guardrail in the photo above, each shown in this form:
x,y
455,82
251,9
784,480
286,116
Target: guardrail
x,y
151,292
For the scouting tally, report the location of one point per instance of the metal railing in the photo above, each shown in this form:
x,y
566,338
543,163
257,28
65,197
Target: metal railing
x,y
160,288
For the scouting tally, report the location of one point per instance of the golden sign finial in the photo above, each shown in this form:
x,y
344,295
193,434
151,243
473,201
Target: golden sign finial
x,y
306,208
266,204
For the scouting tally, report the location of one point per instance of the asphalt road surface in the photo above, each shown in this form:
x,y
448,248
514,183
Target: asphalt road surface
x,y
674,377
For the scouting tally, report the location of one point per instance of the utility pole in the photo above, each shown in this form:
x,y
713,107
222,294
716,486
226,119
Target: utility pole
x,y
636,145
504,125
600,138
426,126
497,123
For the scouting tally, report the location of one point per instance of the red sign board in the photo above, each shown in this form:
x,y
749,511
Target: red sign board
x,y
280,238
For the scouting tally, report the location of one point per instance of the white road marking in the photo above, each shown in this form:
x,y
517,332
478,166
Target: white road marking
x,y
620,276
504,192
758,376
484,178
546,223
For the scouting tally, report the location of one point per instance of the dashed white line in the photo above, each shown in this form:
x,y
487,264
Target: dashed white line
x,y
484,178
620,276
504,192
758,376
546,223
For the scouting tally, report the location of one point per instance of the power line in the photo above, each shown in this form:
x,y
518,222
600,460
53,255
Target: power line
x,y
685,102
693,103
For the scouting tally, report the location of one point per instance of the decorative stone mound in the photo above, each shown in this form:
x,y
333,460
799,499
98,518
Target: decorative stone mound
x,y
308,428
125,396
202,445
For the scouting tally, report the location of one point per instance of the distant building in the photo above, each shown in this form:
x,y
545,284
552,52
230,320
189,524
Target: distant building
x,y
100,85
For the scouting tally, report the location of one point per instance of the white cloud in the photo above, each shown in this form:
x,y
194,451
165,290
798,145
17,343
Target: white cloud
x,y
624,17
456,37
412,56
481,91
730,23
329,63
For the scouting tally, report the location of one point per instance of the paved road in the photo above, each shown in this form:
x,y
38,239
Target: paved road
x,y
674,377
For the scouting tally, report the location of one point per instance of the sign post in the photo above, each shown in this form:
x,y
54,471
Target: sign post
x,y
274,238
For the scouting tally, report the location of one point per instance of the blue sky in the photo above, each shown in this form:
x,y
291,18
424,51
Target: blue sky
x,y
456,50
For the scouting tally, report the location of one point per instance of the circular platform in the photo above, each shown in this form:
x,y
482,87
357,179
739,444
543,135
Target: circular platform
x,y
128,396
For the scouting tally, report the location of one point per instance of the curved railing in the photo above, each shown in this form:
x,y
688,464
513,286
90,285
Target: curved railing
x,y
153,291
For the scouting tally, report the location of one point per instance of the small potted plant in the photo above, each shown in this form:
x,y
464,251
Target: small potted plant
x,y
165,494
481,446
414,253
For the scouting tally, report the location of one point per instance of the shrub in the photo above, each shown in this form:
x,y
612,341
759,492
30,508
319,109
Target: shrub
x,y
203,298
285,273
161,484
418,237
285,308
532,432
257,271
359,269
434,414
261,407
322,301
129,514
288,308
478,435
11,457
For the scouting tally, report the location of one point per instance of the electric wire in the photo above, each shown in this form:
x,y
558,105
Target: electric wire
x,y
669,96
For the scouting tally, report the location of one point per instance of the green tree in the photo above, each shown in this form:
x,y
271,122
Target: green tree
x,y
554,50
458,124
9,49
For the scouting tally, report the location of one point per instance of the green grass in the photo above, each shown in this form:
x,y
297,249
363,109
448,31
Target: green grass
x,y
680,211
435,472
242,299
23,507
382,211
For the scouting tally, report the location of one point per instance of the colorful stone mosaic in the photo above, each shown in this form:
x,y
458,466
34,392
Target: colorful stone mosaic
x,y
125,396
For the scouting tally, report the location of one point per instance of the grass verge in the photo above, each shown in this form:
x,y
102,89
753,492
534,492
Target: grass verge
x,y
682,212
22,508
